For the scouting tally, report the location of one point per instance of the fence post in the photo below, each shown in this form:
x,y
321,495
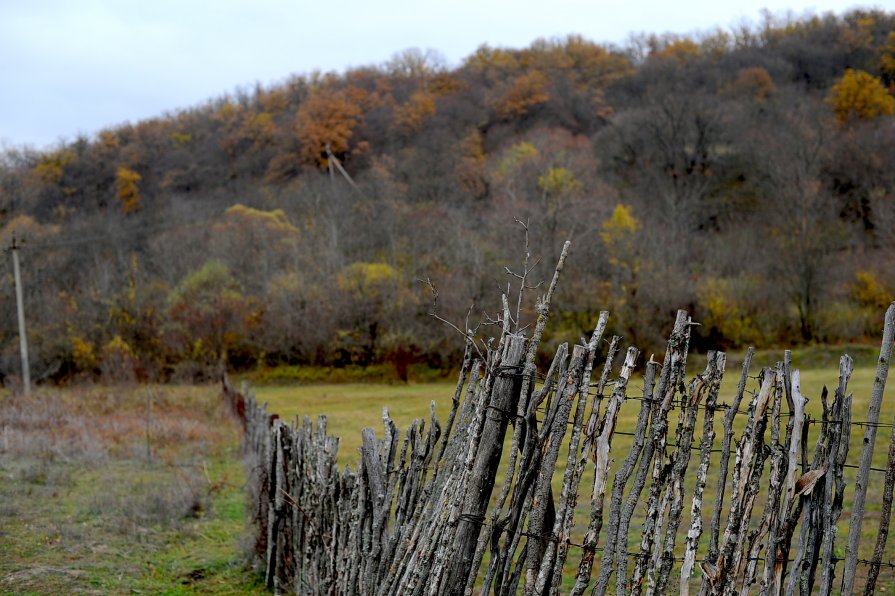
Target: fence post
x,y
876,398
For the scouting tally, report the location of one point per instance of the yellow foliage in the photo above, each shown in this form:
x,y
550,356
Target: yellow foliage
x,y
118,359
288,284
682,49
51,167
716,44
366,280
127,190
887,56
25,227
446,84
197,350
587,66
515,156
858,35
860,94
525,93
724,312
275,221
326,118
260,129
228,113
559,181
116,347
83,354
181,139
619,236
494,63
870,293
108,140
411,116
620,226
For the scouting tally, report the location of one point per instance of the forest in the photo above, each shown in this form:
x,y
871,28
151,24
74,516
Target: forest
x,y
746,175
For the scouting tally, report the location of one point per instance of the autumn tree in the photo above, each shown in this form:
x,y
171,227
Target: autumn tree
x,y
887,57
127,190
667,155
411,116
213,317
522,96
754,82
371,292
298,324
326,122
492,66
255,243
619,235
862,95
472,171
544,180
720,145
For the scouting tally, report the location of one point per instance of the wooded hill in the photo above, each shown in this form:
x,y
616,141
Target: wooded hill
x,y
736,173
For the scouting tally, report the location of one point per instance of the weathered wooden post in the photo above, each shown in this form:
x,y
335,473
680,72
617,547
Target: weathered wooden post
x,y
876,399
501,406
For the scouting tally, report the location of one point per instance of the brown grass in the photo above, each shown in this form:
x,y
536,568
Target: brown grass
x,y
115,489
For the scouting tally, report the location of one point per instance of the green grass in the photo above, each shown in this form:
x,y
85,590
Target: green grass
x,y
351,407
84,510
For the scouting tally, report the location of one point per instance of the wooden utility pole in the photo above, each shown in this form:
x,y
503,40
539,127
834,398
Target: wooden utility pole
x,y
20,307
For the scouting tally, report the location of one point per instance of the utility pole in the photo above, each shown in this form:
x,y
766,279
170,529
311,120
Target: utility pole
x,y
20,307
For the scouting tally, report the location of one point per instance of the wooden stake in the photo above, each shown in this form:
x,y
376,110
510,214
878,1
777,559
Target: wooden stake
x,y
876,398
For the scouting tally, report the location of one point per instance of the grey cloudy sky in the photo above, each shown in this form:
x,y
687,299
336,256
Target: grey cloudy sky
x,y
76,66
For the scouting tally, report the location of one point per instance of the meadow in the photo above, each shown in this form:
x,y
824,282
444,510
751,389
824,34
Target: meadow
x,y
130,489
140,489
351,407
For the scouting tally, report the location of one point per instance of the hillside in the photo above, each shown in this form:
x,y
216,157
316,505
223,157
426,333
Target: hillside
x,y
746,175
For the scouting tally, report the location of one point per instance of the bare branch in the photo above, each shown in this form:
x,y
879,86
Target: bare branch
x,y
469,335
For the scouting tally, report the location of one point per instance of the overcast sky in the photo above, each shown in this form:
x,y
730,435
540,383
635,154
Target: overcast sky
x,y
77,66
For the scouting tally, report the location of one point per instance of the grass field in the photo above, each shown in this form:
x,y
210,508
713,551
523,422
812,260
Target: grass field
x,y
351,407
89,505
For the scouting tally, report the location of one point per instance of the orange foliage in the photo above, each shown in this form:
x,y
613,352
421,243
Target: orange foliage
x,y
274,101
681,49
858,35
51,167
259,129
107,141
411,116
472,170
525,93
127,190
586,65
493,64
446,84
755,82
326,118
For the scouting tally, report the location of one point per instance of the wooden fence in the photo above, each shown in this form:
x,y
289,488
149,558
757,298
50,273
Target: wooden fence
x,y
420,513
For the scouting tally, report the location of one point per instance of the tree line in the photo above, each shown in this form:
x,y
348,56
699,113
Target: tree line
x,y
735,173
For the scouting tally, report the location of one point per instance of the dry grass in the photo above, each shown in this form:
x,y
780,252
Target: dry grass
x,y
114,489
